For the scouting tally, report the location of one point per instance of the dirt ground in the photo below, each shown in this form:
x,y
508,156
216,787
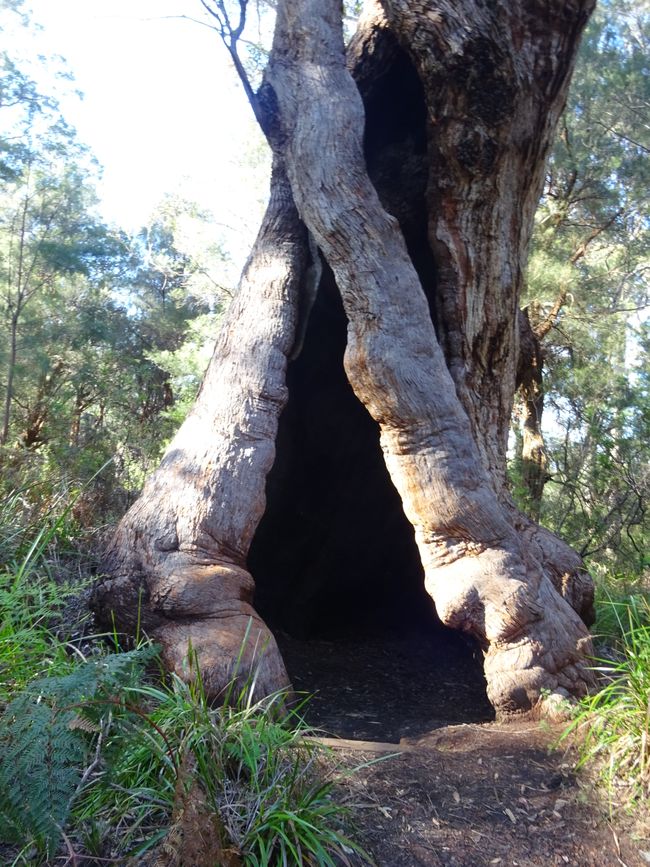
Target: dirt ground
x,y
459,794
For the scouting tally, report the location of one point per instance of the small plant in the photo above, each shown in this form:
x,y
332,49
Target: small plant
x,y
242,775
46,739
613,726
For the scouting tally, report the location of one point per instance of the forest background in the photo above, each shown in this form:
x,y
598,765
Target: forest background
x,y
107,329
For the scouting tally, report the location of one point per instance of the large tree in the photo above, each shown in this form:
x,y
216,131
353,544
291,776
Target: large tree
x,y
421,228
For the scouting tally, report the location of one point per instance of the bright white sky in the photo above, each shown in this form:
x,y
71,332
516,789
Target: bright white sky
x,y
163,111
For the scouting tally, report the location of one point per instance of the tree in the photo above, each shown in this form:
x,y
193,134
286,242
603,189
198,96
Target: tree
x,y
591,241
47,233
421,229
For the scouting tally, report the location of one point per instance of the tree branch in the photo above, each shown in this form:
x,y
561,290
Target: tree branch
x,y
229,37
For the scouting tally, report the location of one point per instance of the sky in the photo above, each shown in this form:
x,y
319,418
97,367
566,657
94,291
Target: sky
x,y
162,109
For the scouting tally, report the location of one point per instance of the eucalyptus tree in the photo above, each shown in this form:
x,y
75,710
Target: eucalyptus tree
x,y
48,230
47,234
419,227
585,299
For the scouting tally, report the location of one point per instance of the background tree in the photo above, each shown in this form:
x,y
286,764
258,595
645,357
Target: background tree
x,y
585,300
92,317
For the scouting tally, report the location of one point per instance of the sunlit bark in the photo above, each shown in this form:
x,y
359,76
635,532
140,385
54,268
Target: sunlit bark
x,y
431,290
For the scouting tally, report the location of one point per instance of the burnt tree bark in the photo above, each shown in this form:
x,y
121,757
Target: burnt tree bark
x,y
425,227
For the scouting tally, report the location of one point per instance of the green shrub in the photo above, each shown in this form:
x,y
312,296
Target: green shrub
x,y
254,769
613,726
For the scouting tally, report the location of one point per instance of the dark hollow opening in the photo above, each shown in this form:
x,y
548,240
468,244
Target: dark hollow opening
x,y
337,570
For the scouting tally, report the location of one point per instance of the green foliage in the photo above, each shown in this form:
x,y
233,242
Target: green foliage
x,y
620,600
613,726
587,293
32,598
249,759
104,335
111,760
45,741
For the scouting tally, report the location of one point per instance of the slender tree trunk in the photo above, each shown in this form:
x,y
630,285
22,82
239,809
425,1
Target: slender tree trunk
x,y
432,340
81,401
11,371
532,454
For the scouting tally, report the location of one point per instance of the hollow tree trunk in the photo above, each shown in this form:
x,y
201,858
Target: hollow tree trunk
x,y
476,569
430,291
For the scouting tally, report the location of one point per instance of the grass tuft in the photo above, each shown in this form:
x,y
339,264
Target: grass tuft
x,y
613,726
245,767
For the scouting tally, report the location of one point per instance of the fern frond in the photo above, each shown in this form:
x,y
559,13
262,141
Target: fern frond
x,y
46,735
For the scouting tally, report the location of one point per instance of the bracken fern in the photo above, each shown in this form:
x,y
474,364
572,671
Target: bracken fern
x,y
46,738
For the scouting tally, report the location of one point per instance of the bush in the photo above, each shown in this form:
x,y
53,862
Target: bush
x,y
121,767
613,726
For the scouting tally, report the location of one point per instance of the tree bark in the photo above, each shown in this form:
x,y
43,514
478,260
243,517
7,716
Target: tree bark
x,y
476,570
495,80
432,340
534,463
177,561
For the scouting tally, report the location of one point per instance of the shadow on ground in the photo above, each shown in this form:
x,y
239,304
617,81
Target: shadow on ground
x,y
388,687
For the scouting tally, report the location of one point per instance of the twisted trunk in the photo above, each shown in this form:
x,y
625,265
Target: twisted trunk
x,y
176,564
425,228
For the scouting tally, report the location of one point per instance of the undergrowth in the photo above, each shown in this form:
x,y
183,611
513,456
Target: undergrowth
x,y
100,757
243,769
116,766
612,727
47,735
37,582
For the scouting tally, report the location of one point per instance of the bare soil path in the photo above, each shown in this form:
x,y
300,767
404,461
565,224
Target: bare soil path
x,y
459,794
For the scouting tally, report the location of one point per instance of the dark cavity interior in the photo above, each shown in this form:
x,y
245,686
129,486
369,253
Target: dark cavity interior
x,y
337,570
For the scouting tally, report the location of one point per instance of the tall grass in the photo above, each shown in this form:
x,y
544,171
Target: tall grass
x,y
620,599
613,726
32,598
